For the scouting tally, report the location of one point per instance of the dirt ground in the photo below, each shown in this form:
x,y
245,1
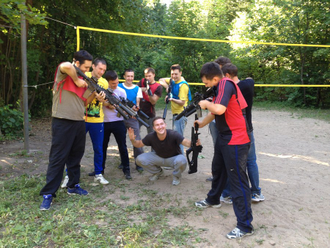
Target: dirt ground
x,y
294,164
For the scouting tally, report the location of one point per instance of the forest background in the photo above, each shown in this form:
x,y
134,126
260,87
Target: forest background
x,y
50,42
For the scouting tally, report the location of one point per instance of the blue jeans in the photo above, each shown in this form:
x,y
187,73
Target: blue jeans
x,y
96,133
252,169
179,126
134,124
214,131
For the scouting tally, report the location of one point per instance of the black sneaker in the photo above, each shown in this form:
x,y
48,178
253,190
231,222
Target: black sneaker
x,y
92,174
205,204
237,233
128,175
120,166
139,169
45,205
209,179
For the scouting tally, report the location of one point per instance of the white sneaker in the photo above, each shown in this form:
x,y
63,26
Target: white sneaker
x,y
100,179
258,198
226,200
65,182
176,181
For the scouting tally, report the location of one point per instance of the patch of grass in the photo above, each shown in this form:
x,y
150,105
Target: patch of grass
x,y
75,221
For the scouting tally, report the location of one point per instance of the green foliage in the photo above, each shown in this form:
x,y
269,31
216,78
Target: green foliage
x,y
11,121
296,22
270,21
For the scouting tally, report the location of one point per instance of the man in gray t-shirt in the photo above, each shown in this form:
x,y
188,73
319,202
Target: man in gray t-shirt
x,y
68,127
166,151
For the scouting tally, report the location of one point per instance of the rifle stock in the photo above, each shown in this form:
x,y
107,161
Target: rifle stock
x,y
194,149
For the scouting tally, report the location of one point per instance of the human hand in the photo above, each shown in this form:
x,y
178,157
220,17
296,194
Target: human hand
x,y
204,104
131,134
81,83
100,96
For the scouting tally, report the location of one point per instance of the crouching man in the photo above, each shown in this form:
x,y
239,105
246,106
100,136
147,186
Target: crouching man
x,y
166,151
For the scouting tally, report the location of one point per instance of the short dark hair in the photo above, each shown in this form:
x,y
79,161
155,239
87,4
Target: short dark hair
x,y
99,60
222,60
230,69
176,67
110,75
157,118
211,70
149,70
128,70
81,56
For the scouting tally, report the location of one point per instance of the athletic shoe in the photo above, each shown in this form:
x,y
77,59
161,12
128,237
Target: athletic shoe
x,y
209,179
176,181
258,198
47,201
120,166
99,178
156,176
139,169
238,233
226,200
205,204
128,175
65,182
77,190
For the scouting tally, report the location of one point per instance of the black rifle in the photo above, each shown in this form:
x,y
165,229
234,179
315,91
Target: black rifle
x,y
131,104
194,106
111,97
148,87
169,94
194,149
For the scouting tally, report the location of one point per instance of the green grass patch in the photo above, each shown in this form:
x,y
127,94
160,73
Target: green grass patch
x,y
97,220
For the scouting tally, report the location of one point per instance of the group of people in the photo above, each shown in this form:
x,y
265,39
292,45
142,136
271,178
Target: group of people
x,y
76,110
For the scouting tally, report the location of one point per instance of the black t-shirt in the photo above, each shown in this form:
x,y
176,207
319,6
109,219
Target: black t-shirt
x,y
247,88
169,147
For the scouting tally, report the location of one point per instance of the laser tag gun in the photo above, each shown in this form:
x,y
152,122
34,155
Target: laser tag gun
x,y
194,149
131,104
194,106
169,95
148,87
111,97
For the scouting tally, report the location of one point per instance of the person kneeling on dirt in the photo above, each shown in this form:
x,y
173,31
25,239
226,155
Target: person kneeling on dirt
x,y
166,151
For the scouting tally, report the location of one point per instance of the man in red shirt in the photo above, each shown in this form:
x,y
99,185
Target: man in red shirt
x,y
231,148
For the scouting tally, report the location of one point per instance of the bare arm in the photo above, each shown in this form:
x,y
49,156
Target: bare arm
x,y
214,108
153,99
187,142
135,143
178,101
68,69
163,83
202,123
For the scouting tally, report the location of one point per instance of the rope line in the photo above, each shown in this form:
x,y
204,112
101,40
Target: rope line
x,y
193,39
60,22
